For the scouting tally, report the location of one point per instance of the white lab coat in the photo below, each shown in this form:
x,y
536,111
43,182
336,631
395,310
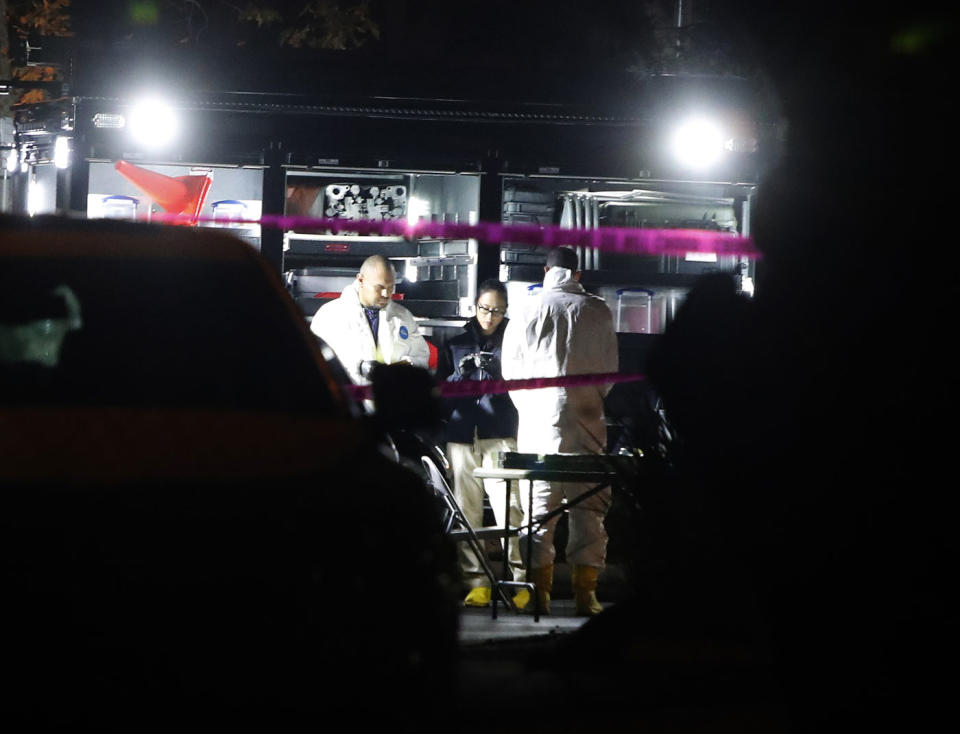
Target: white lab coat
x,y
562,331
343,325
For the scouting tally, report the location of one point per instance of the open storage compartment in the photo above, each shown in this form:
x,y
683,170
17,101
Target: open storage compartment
x,y
436,279
217,196
643,292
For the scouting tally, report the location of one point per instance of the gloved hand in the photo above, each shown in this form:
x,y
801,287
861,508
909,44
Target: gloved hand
x,y
485,361
366,368
490,363
467,364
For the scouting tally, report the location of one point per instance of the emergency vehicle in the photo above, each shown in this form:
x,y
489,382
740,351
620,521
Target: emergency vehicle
x,y
140,136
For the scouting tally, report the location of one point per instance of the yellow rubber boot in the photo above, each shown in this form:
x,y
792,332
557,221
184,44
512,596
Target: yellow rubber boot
x,y
584,582
543,579
479,596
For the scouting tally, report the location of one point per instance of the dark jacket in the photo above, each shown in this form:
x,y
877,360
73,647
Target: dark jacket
x,y
494,416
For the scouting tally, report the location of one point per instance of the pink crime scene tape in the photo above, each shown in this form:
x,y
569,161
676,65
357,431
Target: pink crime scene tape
x,y
634,241
476,388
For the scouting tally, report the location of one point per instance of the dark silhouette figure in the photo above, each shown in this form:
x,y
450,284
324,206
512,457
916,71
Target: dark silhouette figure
x,y
801,546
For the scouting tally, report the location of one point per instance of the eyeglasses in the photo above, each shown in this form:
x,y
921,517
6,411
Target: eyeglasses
x,y
491,311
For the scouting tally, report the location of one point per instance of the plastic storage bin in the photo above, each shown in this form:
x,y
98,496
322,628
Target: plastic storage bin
x,y
225,213
120,207
637,312
518,291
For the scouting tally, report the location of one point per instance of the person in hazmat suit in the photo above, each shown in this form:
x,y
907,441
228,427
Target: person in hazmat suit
x,y
563,331
365,326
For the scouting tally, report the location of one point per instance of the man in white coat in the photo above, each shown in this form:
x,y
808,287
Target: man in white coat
x,y
365,326
563,331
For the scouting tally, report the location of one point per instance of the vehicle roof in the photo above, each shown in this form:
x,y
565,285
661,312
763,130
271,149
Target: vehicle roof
x,y
53,236
169,317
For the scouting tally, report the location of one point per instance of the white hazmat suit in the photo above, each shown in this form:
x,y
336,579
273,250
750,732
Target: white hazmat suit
x,y
343,325
563,331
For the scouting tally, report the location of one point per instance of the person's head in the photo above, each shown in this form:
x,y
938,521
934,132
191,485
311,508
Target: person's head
x,y
376,282
491,305
563,257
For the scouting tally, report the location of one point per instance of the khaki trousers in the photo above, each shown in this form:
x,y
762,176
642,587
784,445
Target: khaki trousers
x,y
469,491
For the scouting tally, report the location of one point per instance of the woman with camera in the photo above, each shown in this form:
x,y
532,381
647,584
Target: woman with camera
x,y
477,429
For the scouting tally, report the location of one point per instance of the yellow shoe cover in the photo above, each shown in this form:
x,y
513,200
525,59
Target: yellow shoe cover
x,y
521,599
478,597
584,582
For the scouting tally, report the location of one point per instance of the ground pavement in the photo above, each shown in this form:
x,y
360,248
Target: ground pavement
x,y
569,674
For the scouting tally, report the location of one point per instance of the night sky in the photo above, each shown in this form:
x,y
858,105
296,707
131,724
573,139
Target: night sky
x,y
425,36
439,47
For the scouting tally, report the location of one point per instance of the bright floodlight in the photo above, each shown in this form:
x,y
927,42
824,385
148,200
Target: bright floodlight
x,y
698,143
61,152
153,123
35,197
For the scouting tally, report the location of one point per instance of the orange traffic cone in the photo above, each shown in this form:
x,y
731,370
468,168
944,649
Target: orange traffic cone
x,y
175,194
